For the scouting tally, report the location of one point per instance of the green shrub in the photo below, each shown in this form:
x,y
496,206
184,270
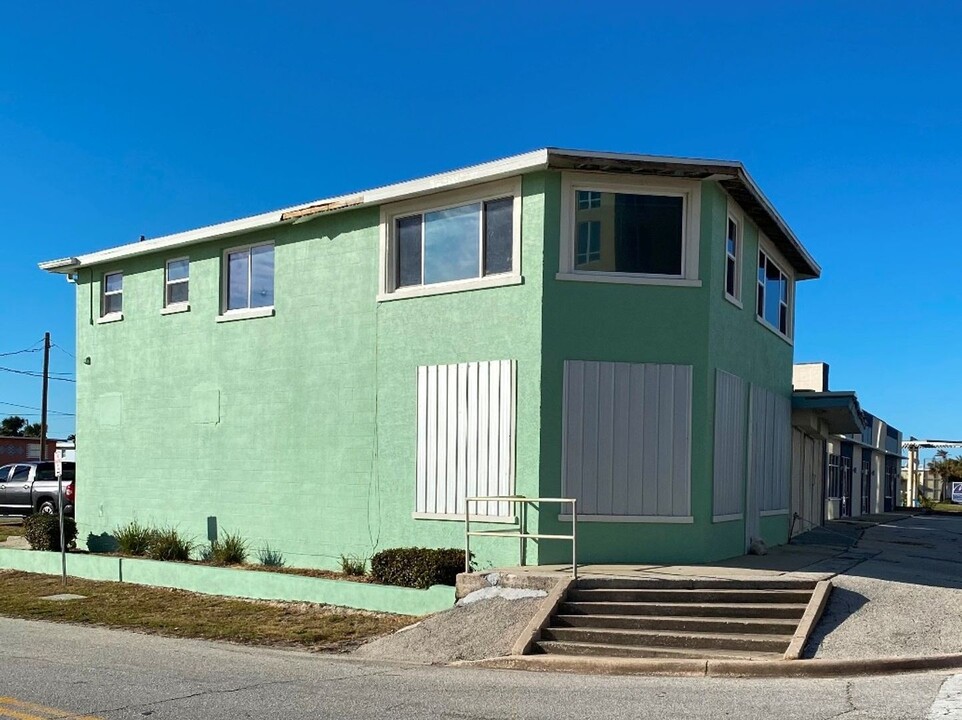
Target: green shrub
x,y
417,567
167,544
353,565
270,557
43,531
231,550
134,538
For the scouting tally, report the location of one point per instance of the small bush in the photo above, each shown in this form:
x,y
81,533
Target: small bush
x,y
43,531
134,538
270,557
353,565
167,544
417,567
231,550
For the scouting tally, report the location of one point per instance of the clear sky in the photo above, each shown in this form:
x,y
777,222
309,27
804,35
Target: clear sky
x,y
122,119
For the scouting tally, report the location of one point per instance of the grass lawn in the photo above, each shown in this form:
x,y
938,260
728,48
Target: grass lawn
x,y
947,507
183,614
10,530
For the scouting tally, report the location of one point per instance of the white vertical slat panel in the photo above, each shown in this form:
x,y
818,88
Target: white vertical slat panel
x,y
729,444
606,432
574,423
442,452
636,433
505,436
461,459
472,459
649,440
620,448
451,443
431,477
483,428
422,500
771,444
628,438
494,430
681,443
666,404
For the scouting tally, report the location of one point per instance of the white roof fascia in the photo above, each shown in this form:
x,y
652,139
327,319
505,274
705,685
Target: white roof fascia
x,y
389,193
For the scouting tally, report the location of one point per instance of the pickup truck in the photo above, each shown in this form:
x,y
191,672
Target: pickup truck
x,y
31,487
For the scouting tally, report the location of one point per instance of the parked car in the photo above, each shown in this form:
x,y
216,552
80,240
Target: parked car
x,y
31,486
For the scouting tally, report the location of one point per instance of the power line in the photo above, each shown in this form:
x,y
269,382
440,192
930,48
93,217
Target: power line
x,y
34,373
32,349
64,350
31,407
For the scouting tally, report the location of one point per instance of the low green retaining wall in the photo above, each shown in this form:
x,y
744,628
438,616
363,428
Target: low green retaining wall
x,y
235,583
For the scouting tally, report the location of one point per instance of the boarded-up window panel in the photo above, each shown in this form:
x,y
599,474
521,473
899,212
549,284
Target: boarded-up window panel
x,y
728,492
771,443
465,436
627,444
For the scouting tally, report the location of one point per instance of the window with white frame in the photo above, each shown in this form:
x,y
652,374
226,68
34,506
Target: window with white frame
x,y
249,277
112,294
733,241
629,230
774,295
465,437
454,240
176,280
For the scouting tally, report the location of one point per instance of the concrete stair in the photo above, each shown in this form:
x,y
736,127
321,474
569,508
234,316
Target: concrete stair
x,y
665,618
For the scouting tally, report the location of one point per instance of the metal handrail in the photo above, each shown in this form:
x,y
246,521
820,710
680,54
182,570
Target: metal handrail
x,y
521,532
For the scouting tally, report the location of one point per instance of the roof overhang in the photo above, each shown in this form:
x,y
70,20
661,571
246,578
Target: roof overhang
x,y
731,175
839,409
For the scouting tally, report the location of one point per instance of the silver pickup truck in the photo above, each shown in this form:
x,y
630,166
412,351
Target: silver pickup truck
x,y
31,486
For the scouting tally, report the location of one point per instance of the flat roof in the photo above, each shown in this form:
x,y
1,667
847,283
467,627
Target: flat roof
x,y
730,174
838,408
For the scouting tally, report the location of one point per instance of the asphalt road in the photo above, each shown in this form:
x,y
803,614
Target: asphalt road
x,y
63,671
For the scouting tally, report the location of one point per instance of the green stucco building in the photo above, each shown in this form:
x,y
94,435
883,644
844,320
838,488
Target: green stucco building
x,y
335,378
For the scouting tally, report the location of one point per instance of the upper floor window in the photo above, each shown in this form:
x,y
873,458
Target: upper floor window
x,y
177,276
112,294
629,230
249,277
733,242
464,239
774,295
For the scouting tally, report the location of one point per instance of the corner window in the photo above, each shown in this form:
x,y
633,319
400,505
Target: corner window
x,y
249,277
112,294
463,239
732,252
774,293
176,279
637,230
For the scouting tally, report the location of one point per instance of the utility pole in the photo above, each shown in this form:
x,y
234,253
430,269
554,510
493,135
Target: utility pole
x,y
43,400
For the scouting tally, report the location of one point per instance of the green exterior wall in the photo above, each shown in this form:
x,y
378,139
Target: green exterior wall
x,y
298,430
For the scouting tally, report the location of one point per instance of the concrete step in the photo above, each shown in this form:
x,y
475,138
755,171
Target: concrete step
x,y
738,625
619,583
638,651
689,596
743,610
651,638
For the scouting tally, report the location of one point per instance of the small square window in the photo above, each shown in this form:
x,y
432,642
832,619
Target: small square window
x,y
732,251
112,294
176,282
773,299
589,242
588,199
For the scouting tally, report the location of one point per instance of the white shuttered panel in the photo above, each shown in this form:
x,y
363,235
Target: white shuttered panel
x,y
627,444
771,443
728,490
466,419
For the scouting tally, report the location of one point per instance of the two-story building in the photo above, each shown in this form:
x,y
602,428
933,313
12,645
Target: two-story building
x,y
336,377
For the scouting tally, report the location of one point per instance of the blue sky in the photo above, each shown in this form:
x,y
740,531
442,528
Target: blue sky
x,y
122,119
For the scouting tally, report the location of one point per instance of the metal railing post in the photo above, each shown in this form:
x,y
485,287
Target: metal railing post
x,y
574,539
467,535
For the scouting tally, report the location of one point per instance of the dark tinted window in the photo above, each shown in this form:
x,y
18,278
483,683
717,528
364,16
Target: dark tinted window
x,y
20,473
498,232
46,471
409,251
5,472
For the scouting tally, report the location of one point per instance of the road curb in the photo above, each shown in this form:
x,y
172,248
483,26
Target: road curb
x,y
719,668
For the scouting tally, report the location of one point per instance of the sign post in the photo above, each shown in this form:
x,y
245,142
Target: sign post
x,y
957,492
58,470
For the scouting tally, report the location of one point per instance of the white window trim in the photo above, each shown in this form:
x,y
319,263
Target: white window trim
x,y
765,247
734,215
688,190
772,513
387,275
177,306
248,312
727,518
657,519
106,317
